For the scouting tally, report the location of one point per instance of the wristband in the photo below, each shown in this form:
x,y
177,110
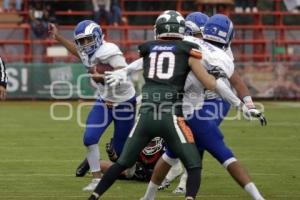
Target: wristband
x,y
248,102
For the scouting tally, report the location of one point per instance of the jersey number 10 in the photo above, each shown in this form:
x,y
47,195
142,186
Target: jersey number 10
x,y
156,65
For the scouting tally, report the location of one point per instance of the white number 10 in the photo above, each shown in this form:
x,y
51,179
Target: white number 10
x,y
159,65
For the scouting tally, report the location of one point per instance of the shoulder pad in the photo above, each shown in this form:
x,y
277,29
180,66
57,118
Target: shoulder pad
x,y
107,50
229,53
192,39
218,58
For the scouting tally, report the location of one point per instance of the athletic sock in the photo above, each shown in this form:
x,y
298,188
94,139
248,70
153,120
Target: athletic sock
x,y
151,191
183,178
109,178
253,191
93,157
193,182
175,171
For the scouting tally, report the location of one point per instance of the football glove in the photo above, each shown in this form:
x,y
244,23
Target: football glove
x,y
250,113
253,112
114,78
217,72
259,115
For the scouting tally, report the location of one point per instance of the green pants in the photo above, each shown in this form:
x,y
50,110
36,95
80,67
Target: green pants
x,y
172,129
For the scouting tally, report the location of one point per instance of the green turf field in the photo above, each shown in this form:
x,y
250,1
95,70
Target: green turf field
x,y
38,156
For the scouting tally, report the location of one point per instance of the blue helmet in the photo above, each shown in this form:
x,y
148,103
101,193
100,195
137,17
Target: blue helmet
x,y
88,36
219,28
195,22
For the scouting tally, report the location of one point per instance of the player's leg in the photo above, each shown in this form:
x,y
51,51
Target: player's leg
x,y
163,170
209,137
136,141
232,165
124,118
105,165
180,140
217,107
181,187
97,121
83,168
175,171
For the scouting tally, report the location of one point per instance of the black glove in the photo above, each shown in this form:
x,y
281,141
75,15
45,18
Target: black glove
x,y
217,72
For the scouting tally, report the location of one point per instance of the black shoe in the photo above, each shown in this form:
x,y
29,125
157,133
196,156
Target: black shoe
x,y
83,168
93,197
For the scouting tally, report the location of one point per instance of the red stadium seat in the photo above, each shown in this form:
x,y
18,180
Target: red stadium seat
x,y
258,42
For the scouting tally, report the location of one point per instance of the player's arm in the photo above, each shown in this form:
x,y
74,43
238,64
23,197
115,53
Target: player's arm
x,y
244,94
226,93
116,77
135,66
117,62
211,83
53,33
242,90
208,81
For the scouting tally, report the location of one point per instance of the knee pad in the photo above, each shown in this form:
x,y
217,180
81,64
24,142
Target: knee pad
x,y
170,161
228,162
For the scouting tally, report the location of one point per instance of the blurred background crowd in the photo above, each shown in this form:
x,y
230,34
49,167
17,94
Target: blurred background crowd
x,y
266,44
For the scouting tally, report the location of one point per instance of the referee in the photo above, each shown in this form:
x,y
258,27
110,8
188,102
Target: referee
x,y
3,80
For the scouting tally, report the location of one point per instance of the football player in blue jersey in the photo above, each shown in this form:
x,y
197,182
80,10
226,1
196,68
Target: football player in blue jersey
x,y
114,104
217,33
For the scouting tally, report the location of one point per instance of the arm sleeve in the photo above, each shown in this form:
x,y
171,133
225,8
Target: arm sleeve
x,y
3,75
225,92
117,61
136,65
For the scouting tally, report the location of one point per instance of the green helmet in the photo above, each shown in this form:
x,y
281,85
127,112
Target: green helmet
x,y
169,24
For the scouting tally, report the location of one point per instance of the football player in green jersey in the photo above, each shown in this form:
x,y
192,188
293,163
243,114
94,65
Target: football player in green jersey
x,y
166,64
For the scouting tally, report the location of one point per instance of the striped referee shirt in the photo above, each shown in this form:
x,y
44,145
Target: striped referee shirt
x,y
3,75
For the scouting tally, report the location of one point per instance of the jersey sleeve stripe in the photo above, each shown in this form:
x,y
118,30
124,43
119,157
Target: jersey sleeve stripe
x,y
178,130
196,53
185,130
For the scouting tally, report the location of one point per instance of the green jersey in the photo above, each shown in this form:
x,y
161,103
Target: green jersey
x,y
165,65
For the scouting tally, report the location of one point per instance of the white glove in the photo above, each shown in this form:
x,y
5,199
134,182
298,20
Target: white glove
x,y
250,113
114,78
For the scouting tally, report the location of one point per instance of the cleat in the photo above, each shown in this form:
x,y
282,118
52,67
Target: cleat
x,y
92,186
164,185
179,190
82,169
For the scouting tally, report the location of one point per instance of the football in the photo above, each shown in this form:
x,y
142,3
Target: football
x,y
101,68
97,72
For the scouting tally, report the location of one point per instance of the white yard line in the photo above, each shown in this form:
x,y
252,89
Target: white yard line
x,y
208,196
